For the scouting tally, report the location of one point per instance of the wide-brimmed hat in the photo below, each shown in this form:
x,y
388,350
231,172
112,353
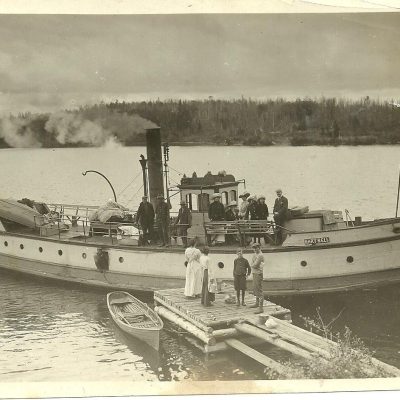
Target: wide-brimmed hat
x,y
244,194
232,204
254,198
215,196
261,196
254,245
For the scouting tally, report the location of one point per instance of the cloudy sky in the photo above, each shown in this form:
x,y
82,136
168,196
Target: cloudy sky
x,y
54,61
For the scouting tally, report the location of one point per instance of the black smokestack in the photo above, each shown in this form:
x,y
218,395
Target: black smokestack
x,y
154,163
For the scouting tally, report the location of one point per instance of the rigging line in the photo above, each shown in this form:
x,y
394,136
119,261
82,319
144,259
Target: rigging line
x,y
129,184
173,169
135,194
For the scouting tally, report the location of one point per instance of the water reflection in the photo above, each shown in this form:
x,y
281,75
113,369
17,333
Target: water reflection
x,y
51,331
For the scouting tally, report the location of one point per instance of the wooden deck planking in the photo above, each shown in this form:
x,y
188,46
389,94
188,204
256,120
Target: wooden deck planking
x,y
220,313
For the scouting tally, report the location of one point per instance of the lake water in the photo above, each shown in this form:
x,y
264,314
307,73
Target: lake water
x,y
51,331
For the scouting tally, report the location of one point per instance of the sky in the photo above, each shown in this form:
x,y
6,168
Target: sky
x,y
51,62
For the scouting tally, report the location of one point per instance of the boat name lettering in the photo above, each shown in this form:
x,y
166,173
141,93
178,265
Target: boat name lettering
x,y
316,240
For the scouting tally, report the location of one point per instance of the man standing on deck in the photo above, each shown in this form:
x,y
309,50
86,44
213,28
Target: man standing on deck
x,y
184,222
145,218
216,210
281,207
162,218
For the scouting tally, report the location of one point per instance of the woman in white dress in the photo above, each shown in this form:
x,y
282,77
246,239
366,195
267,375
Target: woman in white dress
x,y
193,282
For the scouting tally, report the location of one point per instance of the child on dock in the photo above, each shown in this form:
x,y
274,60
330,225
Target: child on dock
x,y
241,270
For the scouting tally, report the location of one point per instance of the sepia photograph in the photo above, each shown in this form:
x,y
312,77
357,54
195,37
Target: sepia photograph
x,y
199,202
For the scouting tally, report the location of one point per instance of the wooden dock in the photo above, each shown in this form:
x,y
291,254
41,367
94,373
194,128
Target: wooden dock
x,y
223,326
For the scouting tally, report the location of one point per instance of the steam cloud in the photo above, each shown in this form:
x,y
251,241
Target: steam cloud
x,y
71,128
63,128
17,133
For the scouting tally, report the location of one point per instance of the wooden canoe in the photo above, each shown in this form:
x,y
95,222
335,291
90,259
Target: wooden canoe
x,y
135,317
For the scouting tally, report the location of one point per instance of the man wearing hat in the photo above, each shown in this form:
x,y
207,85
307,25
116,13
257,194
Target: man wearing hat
x,y
216,210
230,215
184,221
162,218
145,218
281,207
244,204
257,266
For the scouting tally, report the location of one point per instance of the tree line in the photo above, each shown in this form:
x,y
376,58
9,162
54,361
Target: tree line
x,y
324,121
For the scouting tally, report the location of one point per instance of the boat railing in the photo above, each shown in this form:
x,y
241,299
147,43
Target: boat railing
x,y
242,231
75,221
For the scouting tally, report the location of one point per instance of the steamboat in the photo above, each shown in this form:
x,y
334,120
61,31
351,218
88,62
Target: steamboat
x,y
321,250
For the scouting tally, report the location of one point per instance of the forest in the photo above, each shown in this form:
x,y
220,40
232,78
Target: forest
x,y
324,121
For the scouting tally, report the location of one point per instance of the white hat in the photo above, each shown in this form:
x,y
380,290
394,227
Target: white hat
x,y
261,196
232,203
254,197
215,195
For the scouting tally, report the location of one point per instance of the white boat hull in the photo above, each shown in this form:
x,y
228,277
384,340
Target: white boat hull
x,y
288,270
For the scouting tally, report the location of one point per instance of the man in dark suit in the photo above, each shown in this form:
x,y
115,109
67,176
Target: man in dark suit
x,y
281,207
145,218
184,222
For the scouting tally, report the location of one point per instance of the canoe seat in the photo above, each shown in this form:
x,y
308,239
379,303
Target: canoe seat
x,y
121,301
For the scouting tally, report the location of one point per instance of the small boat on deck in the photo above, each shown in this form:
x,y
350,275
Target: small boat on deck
x,y
135,317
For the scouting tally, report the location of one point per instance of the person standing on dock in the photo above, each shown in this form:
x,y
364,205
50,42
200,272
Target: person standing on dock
x,y
257,264
193,283
241,270
145,218
162,218
281,207
184,222
207,295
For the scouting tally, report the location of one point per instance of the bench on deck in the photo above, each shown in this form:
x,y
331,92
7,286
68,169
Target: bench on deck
x,y
232,231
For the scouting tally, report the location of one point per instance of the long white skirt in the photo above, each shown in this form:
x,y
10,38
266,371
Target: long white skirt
x,y
194,279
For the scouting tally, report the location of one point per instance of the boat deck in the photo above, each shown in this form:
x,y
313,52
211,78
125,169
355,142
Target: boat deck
x,y
220,314
78,234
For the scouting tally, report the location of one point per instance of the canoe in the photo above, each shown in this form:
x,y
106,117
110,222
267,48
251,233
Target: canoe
x,y
135,317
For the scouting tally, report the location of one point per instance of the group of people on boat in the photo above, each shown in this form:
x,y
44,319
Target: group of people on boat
x,y
251,208
146,216
202,276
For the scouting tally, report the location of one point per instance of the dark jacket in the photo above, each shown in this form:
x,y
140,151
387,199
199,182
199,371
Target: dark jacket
x,y
184,217
241,267
251,211
162,212
281,208
216,211
230,215
145,214
262,211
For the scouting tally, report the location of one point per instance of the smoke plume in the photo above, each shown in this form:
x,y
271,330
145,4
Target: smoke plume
x,y
16,132
73,129
97,126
